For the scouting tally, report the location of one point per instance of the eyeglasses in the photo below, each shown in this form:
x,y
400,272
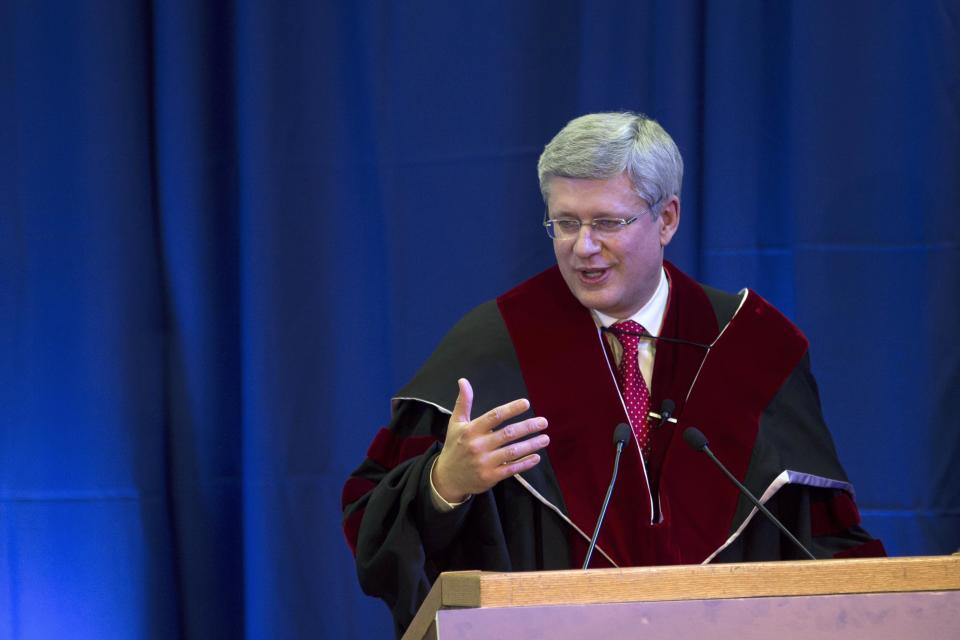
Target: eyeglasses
x,y
566,228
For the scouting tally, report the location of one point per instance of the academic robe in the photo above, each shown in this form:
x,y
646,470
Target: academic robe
x,y
742,377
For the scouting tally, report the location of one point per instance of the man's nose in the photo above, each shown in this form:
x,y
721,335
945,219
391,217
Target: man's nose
x,y
586,244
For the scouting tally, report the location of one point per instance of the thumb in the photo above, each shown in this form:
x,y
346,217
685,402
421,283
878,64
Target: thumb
x,y
461,410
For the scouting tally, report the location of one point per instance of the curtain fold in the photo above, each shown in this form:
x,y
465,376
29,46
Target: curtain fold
x,y
229,231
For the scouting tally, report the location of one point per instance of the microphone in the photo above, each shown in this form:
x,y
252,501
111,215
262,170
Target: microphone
x,y
666,412
695,438
621,434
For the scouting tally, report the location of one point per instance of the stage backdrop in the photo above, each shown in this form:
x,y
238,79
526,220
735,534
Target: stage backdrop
x,y
229,230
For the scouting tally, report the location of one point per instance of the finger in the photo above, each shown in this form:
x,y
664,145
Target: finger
x,y
461,410
492,419
517,430
519,466
518,450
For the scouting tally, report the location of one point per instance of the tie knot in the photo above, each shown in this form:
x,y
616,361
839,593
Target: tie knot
x,y
628,333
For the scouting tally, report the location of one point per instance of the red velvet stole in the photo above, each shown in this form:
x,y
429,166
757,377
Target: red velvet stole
x,y
561,355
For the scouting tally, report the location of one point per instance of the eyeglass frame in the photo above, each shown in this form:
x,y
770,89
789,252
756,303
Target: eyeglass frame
x,y
622,224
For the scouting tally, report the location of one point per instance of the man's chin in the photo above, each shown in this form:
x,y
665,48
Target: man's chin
x,y
596,300
597,297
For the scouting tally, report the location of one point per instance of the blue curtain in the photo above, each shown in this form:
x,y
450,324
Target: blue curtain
x,y
228,231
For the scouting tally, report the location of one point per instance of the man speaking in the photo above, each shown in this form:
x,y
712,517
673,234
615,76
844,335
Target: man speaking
x,y
499,452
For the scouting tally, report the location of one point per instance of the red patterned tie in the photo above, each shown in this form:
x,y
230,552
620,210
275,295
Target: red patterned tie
x,y
635,394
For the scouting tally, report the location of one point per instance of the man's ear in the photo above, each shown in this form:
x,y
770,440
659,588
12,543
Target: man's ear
x,y
669,220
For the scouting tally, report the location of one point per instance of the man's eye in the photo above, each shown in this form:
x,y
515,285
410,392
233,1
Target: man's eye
x,y
569,226
607,224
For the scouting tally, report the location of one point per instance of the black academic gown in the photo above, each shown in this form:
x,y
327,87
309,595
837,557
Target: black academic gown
x,y
745,382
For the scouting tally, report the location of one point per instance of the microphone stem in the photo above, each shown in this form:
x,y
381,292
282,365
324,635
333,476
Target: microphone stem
x,y
603,509
757,504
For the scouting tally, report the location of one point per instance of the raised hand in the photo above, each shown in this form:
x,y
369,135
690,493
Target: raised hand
x,y
475,457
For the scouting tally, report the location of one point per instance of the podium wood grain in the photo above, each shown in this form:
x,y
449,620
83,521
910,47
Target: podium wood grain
x,y
688,582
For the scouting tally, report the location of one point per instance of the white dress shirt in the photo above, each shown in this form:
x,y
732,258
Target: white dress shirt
x,y
650,317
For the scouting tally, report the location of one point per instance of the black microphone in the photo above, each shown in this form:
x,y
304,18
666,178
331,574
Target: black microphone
x,y
621,434
666,411
698,441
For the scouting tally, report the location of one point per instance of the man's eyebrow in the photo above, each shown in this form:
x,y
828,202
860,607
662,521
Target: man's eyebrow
x,y
598,216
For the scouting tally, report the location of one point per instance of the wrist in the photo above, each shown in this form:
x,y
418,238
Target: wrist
x,y
441,486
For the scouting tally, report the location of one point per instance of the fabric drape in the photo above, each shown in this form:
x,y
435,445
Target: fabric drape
x,y
229,231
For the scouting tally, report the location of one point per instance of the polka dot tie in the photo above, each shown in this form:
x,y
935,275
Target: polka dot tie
x,y
636,397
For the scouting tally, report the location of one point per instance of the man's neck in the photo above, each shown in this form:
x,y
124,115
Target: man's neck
x,y
650,315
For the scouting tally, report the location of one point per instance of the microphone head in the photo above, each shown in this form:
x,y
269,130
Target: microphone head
x,y
667,408
695,438
622,433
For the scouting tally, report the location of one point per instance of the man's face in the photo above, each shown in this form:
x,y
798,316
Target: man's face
x,y
614,273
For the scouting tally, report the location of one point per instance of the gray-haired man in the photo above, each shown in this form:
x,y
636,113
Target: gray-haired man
x,y
514,479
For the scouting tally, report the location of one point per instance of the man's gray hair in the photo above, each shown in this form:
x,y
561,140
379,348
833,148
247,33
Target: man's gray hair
x,y
604,145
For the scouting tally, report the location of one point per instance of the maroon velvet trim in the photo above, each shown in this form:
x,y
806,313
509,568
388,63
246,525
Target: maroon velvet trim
x,y
833,514
389,449
689,316
756,353
351,529
870,549
569,383
354,489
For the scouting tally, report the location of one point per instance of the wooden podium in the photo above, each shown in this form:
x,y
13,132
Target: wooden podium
x,y
885,598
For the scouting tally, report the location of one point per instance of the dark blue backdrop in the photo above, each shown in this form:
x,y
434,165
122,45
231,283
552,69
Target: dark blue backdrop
x,y
228,231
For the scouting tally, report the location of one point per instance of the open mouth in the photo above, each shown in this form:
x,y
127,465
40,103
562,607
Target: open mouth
x,y
592,276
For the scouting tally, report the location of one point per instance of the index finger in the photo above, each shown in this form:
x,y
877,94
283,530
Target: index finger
x,y
493,418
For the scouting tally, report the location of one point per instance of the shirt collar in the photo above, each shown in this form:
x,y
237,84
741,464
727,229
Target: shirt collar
x,y
650,315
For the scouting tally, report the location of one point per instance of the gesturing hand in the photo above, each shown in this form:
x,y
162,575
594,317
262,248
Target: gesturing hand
x,y
475,457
